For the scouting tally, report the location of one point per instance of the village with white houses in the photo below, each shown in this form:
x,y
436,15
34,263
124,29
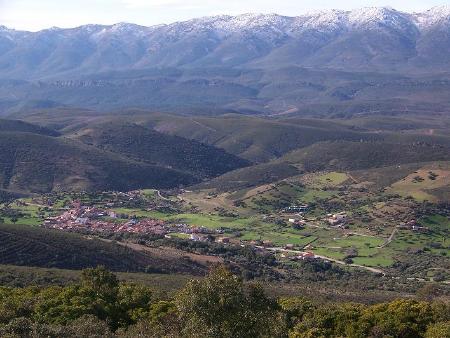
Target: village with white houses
x,y
85,218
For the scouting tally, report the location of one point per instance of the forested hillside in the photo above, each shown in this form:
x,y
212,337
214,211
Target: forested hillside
x,y
105,157
32,162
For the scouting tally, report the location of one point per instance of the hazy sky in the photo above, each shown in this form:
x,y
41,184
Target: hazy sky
x,y
39,14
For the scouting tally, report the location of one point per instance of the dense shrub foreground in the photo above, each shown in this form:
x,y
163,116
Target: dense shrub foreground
x,y
218,306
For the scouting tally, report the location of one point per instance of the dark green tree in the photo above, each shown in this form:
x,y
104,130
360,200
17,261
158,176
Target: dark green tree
x,y
221,306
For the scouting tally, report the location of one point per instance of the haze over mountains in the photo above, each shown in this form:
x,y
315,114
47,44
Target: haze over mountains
x,y
252,63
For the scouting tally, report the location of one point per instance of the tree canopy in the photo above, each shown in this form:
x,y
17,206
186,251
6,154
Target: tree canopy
x,y
219,305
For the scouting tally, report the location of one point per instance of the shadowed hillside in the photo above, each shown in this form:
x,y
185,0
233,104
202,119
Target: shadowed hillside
x,y
152,147
103,156
37,163
24,245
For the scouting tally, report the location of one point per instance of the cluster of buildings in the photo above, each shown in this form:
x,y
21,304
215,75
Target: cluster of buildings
x,y
303,256
338,220
85,218
308,255
81,218
297,223
414,226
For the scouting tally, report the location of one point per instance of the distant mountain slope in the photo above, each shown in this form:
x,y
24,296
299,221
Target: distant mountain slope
x,y
253,176
152,147
343,155
252,138
37,163
263,139
368,60
20,126
332,156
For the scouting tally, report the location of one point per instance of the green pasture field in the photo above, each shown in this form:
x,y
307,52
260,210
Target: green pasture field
x,y
329,179
378,260
366,248
436,241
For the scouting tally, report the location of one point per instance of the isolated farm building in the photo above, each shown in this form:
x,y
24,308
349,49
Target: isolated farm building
x,y
307,255
337,219
297,208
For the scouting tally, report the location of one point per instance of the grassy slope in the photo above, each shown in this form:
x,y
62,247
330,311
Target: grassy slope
x,y
425,182
21,276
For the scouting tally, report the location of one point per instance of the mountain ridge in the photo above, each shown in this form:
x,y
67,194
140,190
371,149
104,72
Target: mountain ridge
x,y
250,63
124,45
356,16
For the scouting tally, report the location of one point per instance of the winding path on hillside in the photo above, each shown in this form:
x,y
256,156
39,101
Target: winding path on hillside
x,y
161,196
389,240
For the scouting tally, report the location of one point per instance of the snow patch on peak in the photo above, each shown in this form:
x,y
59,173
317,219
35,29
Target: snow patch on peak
x,y
85,29
330,20
124,26
11,33
434,16
268,25
372,17
120,29
253,21
439,11
6,32
128,28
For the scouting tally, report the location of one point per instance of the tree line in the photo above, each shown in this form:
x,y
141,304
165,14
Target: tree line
x,y
219,305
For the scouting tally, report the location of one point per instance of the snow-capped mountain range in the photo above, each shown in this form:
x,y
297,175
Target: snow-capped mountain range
x,y
369,59
362,39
